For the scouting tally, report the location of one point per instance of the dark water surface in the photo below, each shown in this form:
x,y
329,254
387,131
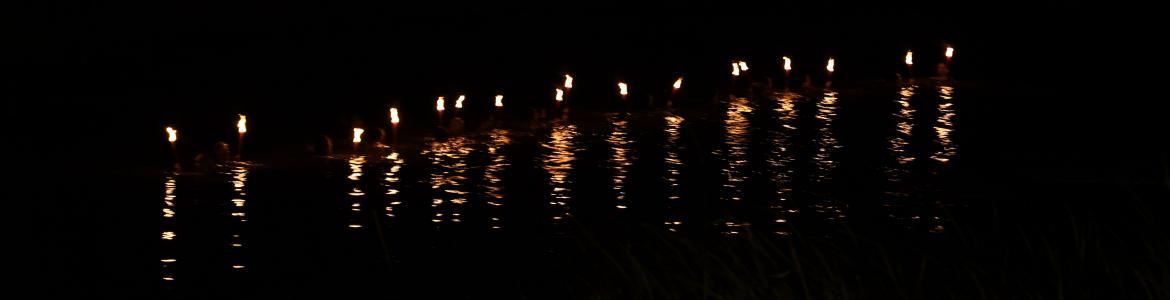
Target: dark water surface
x,y
468,208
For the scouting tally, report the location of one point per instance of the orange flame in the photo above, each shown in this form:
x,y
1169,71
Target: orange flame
x,y
909,58
499,100
831,66
242,125
678,83
734,69
787,64
172,135
357,135
459,101
560,95
622,89
568,81
394,115
439,104
743,65
950,51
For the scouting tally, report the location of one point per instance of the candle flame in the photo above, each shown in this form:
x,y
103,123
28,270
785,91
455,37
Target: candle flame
x,y
172,134
950,51
787,64
622,89
499,100
439,104
560,95
242,125
909,57
831,65
734,69
357,135
678,83
459,101
743,65
568,81
394,115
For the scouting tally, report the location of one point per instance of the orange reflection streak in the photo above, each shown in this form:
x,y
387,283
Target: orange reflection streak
x,y
355,194
673,171
944,125
390,181
780,161
827,150
619,159
168,227
734,155
557,162
493,174
448,174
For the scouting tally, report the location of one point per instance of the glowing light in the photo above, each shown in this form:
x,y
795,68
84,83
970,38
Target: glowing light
x,y
568,81
622,89
357,135
499,100
439,104
242,125
394,115
459,101
787,64
560,95
172,134
678,83
909,58
950,52
743,65
734,69
831,66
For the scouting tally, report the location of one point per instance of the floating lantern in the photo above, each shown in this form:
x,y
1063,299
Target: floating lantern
x,y
743,66
909,58
678,83
787,64
172,135
950,52
241,127
622,89
459,101
831,66
568,81
394,116
439,105
357,137
499,100
734,69
560,95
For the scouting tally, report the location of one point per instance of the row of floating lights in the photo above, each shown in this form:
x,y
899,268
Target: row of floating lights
x,y
623,90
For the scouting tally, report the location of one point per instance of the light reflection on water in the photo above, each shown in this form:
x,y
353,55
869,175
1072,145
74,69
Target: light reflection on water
x,y
493,174
673,172
168,259
734,154
557,162
619,160
391,180
828,148
356,194
448,177
944,125
239,179
780,161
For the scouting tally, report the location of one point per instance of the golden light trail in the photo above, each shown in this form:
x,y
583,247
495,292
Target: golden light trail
x,y
439,104
568,81
622,89
394,116
678,83
459,101
787,64
743,65
734,69
560,95
500,100
909,58
172,135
